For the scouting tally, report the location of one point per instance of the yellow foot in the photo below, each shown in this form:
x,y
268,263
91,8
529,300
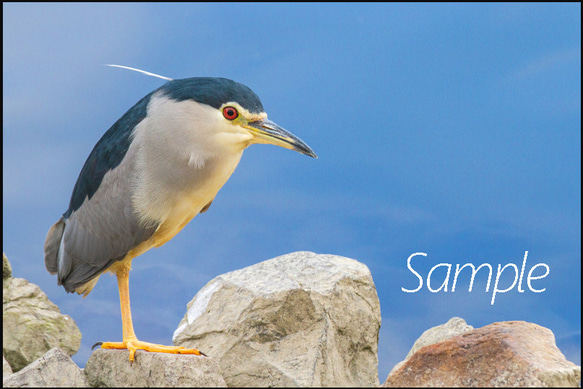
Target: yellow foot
x,y
134,344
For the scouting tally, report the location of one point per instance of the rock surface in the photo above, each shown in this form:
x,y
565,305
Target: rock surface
x,y
6,268
32,324
54,369
6,369
513,353
301,319
454,326
111,368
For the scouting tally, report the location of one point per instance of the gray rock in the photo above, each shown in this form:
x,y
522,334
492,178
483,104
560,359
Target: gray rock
x,y
301,319
512,353
111,368
54,369
454,326
6,369
32,324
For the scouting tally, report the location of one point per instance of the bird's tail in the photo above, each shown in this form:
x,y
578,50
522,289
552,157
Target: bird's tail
x,y
52,245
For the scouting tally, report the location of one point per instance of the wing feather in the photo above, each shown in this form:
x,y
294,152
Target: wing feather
x,y
101,225
102,230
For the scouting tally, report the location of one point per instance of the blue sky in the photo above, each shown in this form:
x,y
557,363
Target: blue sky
x,y
448,129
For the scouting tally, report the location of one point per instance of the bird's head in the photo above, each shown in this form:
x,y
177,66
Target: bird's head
x,y
232,112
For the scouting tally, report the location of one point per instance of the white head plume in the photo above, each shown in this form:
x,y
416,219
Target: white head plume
x,y
141,71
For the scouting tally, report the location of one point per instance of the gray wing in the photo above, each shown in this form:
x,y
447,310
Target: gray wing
x,y
100,232
100,226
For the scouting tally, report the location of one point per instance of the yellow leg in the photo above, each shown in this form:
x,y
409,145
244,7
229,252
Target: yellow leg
x,y
130,341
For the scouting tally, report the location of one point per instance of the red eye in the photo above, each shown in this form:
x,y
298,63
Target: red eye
x,y
230,113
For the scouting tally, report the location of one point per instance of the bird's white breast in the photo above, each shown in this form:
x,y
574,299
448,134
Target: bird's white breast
x,y
185,152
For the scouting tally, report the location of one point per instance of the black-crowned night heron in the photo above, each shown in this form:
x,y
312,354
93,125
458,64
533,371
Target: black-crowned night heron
x,y
161,164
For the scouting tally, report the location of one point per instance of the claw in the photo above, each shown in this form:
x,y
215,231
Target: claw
x,y
133,345
130,341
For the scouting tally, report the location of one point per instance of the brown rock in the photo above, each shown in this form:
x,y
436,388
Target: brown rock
x,y
454,326
513,353
111,368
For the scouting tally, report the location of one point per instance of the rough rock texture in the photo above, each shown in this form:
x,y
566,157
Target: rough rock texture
x,y
6,268
301,319
111,368
54,369
32,324
454,326
513,353
6,369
